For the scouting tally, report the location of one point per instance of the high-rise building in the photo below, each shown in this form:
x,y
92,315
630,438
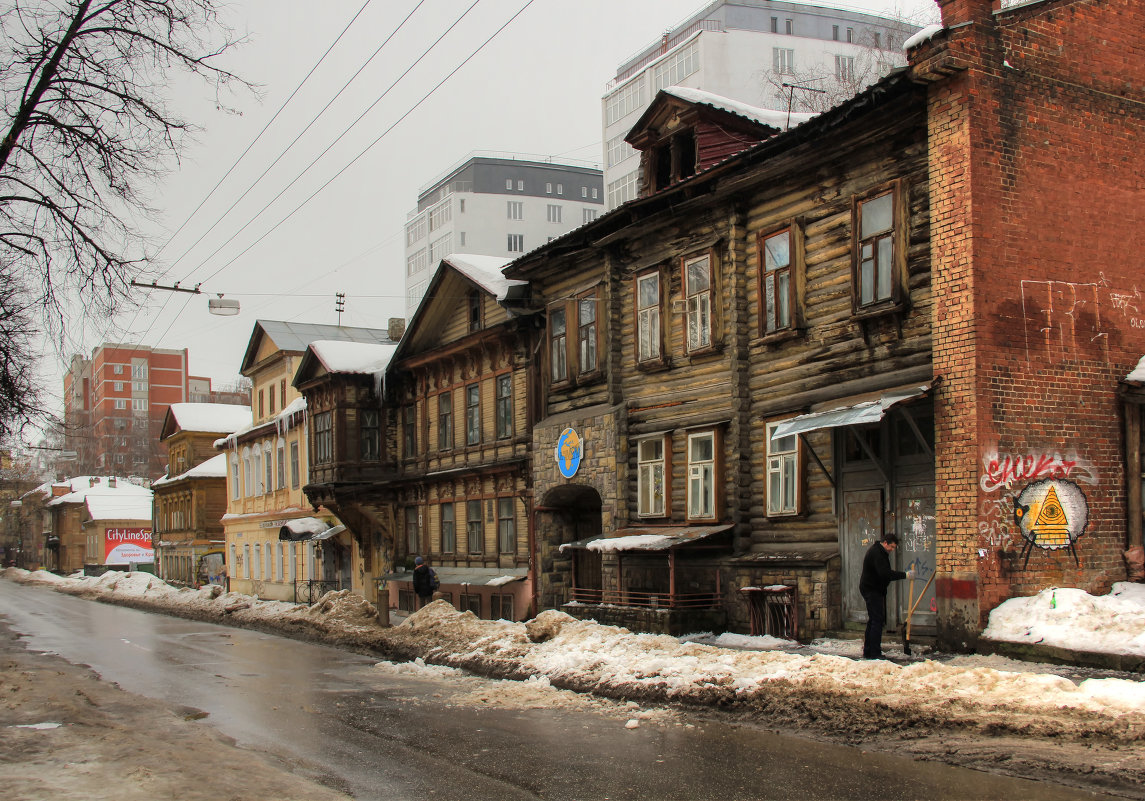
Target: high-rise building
x,y
115,403
774,55
493,205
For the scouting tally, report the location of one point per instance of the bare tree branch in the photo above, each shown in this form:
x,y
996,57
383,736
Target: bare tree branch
x,y
87,131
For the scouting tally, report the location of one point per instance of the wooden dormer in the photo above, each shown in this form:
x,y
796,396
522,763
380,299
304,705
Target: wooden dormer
x,y
685,131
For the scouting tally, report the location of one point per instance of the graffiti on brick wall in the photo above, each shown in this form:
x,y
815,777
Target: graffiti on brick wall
x,y
1051,514
1062,319
995,518
1003,471
1127,306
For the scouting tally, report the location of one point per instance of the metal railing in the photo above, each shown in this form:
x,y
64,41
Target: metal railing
x,y
648,600
654,51
308,591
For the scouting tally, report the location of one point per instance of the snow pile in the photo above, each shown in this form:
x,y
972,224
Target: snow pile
x,y
741,641
1074,619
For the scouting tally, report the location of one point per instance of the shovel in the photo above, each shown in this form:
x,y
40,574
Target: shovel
x,y
910,614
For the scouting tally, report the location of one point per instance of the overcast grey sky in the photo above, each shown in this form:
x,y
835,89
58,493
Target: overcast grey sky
x,y
534,89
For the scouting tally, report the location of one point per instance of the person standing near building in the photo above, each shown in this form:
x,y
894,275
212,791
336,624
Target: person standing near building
x,y
876,577
423,581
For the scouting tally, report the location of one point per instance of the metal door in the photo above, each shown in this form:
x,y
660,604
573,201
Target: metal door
x,y
862,525
914,506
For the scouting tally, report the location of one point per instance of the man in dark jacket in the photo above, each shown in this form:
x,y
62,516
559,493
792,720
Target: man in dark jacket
x,y
877,576
422,581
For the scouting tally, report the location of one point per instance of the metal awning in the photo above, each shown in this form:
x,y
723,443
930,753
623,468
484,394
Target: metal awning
x,y
871,411
307,529
473,576
649,538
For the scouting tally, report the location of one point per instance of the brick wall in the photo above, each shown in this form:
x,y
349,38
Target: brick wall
x,y
1037,235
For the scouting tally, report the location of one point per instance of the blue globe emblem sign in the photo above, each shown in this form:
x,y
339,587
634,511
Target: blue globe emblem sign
x,y
569,450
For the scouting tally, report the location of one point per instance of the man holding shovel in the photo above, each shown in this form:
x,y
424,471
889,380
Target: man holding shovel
x,y
877,576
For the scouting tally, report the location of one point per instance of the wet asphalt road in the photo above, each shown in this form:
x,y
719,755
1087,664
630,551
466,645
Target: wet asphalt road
x,y
331,715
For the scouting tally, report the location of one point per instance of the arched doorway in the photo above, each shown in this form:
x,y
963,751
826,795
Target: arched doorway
x,y
567,513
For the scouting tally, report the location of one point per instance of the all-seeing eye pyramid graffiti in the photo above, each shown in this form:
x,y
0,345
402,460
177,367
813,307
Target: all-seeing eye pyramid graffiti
x,y
1051,514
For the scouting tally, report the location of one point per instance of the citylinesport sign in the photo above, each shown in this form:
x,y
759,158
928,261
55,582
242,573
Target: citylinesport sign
x,y
123,546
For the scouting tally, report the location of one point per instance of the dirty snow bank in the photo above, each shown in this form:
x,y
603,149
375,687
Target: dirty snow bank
x,y
1074,619
558,650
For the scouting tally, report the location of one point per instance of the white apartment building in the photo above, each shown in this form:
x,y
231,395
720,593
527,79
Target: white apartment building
x,y
747,50
496,205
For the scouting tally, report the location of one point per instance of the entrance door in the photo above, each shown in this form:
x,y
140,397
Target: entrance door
x,y
862,526
915,527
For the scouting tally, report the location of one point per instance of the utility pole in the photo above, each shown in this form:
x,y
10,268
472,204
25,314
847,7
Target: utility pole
x,y
340,305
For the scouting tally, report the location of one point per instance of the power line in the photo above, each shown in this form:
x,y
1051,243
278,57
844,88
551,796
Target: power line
x,y
294,141
338,139
370,146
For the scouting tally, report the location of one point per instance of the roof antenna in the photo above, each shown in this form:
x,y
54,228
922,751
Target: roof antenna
x,y
791,97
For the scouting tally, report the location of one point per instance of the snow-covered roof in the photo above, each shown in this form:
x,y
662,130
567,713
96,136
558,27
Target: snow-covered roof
x,y
221,418
80,487
215,467
116,506
281,422
485,271
763,116
1138,374
353,357
925,35
647,539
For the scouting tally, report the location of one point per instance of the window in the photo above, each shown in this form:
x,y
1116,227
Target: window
x,y
558,345
521,187
117,369
440,214
702,476
501,606
413,534
282,393
415,230
121,403
516,209
473,307
473,414
416,262
440,248
139,386
461,206
874,260
677,67
139,372
623,189
850,35
878,40
323,438
504,406
246,561
139,404
118,386
281,462
473,527
272,395
409,431
788,28
268,469
648,317
462,238
248,487
261,403
777,284
448,530
584,191
295,471
234,477
775,24
506,526
588,215
624,101
548,189
845,68
554,213
586,333
782,473
256,469
783,60
509,184
560,189
835,32
698,297
650,474
516,243
370,435
617,150
445,421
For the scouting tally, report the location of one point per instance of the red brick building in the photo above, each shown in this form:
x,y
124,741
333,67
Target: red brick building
x,y
115,403
1036,118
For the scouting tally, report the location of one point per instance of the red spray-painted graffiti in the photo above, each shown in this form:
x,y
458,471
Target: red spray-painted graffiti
x,y
1002,472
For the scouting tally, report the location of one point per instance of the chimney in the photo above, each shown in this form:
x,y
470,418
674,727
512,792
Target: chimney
x,y
91,482
956,12
397,328
111,482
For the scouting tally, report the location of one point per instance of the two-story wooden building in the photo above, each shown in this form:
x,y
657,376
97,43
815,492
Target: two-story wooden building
x,y
191,499
277,546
